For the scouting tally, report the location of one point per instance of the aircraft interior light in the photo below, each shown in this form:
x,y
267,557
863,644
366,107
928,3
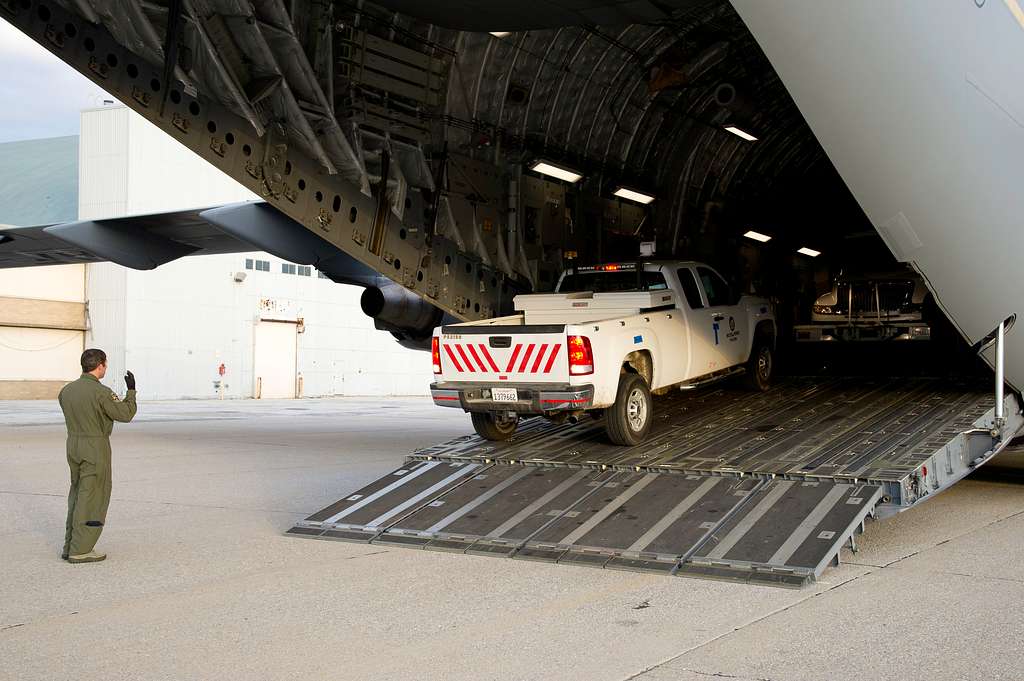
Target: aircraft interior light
x,y
548,168
740,133
633,195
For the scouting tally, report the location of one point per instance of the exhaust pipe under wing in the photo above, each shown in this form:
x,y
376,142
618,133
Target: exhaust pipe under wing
x,y
408,317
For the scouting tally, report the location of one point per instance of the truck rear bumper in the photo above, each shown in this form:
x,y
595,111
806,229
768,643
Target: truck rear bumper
x,y
531,399
823,333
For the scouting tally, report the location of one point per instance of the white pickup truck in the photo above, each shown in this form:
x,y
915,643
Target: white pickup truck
x,y
603,342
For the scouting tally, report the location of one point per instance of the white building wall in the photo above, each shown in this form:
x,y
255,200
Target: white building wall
x,y
102,193
30,354
175,325
52,282
164,176
39,354
106,316
103,163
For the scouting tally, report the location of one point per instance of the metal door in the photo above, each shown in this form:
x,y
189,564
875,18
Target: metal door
x,y
274,360
728,325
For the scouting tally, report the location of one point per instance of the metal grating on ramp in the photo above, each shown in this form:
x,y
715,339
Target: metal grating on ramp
x,y
877,428
763,487
781,532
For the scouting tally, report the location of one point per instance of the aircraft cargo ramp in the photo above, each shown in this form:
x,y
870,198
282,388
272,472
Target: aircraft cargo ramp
x,y
764,487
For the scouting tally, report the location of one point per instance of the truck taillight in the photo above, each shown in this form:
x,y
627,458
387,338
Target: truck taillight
x,y
435,353
581,357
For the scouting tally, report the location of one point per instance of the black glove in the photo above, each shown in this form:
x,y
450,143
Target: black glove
x,y
129,380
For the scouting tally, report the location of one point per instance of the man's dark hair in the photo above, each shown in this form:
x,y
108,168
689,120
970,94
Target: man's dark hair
x,y
92,358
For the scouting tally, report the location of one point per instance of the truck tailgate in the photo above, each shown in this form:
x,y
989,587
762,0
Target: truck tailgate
x,y
517,354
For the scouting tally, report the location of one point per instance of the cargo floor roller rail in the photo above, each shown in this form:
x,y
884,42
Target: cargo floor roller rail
x,y
763,488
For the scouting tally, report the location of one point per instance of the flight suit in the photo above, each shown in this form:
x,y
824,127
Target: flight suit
x,y
90,409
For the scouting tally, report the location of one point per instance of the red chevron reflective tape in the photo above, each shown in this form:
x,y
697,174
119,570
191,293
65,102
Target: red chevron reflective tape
x,y
512,362
540,356
462,354
480,364
526,357
487,356
451,356
551,359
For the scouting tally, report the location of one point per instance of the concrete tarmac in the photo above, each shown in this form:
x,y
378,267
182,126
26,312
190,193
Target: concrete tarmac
x,y
201,583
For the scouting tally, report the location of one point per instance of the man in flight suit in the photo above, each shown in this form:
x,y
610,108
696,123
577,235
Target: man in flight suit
x,y
90,409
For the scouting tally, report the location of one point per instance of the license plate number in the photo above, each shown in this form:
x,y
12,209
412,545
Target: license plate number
x,y
505,394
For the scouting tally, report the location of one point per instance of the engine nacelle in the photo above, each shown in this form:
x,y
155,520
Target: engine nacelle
x,y
408,317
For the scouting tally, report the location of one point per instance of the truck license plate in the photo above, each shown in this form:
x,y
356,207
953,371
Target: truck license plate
x,y
505,394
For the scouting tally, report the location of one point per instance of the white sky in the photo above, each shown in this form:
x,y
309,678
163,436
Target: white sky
x,y
41,95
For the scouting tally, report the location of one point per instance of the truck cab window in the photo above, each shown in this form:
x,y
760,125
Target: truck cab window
x,y
715,287
690,290
610,282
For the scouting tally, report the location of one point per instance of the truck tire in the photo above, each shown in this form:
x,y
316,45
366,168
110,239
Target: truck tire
x,y
492,427
761,365
628,421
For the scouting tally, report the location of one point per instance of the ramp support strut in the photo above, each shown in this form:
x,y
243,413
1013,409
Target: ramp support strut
x,y
1000,416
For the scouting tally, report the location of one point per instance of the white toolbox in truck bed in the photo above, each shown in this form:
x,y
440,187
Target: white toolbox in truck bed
x,y
587,306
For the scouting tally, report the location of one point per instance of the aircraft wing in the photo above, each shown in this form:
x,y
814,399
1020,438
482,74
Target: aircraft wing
x,y
144,242
140,242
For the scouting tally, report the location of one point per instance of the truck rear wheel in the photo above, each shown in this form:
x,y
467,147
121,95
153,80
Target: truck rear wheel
x,y
761,365
497,427
628,421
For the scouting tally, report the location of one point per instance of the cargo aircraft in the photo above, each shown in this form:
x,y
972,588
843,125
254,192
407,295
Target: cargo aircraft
x,y
449,155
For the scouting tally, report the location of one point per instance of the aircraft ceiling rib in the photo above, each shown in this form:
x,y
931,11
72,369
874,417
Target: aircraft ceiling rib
x,y
506,83
616,86
223,73
594,70
555,42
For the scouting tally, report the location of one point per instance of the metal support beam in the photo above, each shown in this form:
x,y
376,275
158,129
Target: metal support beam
x,y
172,40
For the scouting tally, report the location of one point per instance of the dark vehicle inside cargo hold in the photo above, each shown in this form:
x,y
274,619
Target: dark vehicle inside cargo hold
x,y
871,307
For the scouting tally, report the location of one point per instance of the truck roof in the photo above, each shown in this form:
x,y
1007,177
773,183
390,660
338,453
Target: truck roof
x,y
659,262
